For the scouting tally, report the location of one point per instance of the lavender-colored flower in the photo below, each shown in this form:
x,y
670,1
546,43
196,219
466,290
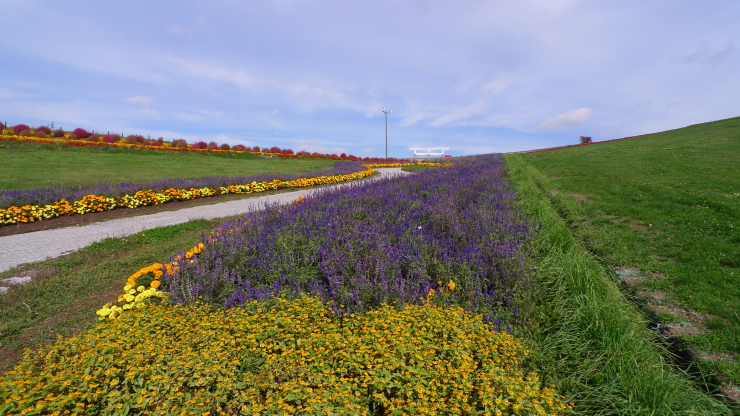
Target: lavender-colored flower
x,y
389,241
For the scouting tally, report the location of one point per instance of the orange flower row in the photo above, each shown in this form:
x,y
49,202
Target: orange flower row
x,y
97,203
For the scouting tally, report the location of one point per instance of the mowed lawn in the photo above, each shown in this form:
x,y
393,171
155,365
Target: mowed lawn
x,y
663,212
32,165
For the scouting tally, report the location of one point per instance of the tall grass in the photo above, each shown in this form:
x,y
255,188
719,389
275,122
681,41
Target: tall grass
x,y
587,338
667,204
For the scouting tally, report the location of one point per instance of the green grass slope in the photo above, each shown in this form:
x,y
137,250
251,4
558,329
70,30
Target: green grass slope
x,y
661,212
31,165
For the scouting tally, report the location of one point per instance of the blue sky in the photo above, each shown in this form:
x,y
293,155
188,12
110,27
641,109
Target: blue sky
x,y
475,76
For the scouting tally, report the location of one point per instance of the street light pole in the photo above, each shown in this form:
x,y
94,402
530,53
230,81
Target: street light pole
x,y
386,112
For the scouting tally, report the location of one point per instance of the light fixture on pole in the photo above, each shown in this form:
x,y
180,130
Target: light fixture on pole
x,y
386,112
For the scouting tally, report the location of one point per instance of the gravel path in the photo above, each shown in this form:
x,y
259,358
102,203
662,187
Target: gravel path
x,y
42,245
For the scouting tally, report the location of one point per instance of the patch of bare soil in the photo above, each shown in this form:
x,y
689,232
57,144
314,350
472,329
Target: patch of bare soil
x,y
580,197
732,392
629,275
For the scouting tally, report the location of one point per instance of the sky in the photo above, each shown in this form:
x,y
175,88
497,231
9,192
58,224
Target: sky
x,y
476,76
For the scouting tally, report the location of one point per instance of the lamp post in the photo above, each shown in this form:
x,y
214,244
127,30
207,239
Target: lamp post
x,y
386,112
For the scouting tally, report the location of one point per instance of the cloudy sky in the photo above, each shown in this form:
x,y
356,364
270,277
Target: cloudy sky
x,y
477,76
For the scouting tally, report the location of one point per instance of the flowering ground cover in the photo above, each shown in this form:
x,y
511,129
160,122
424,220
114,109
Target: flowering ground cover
x,y
384,242
107,196
281,357
414,282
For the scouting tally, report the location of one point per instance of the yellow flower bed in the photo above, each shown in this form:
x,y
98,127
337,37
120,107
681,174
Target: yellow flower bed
x,y
400,165
281,358
96,203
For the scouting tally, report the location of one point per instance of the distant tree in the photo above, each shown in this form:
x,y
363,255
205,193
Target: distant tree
x,y
585,139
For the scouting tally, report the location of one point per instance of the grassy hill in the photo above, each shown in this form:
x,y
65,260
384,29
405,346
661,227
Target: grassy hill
x,y
662,213
30,165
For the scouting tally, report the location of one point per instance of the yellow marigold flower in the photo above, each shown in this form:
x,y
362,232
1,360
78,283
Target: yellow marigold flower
x,y
451,285
103,312
154,284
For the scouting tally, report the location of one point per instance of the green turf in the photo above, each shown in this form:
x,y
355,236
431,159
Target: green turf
x,y
585,336
668,205
31,165
66,292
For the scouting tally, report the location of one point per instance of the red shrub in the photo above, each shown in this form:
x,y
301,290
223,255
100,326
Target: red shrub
x,y
225,146
239,148
58,133
273,149
256,149
157,143
18,128
108,138
199,145
44,129
288,151
81,133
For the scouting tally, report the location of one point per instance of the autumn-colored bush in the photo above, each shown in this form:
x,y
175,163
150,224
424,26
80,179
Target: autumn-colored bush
x,y
225,146
131,139
44,129
72,137
199,145
212,146
157,143
140,139
41,134
26,133
239,148
58,133
108,138
93,138
18,128
81,133
256,149
273,149
179,143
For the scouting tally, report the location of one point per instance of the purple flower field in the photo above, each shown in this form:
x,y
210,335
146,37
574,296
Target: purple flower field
x,y
51,194
390,241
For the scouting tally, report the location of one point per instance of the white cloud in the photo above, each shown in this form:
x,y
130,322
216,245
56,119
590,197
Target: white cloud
x,y
704,54
457,114
140,100
569,119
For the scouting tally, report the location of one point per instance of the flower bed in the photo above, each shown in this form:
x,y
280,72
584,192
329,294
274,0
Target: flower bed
x,y
281,357
389,241
389,326
98,203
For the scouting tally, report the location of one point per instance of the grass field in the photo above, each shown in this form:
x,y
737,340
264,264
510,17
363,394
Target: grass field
x,y
662,213
31,165
585,337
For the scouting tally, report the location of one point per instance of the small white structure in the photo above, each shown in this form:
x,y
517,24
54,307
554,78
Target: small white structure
x,y
429,151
